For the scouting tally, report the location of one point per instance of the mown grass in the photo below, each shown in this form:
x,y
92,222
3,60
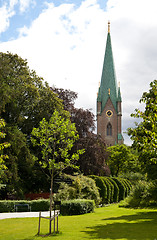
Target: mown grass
x,y
107,223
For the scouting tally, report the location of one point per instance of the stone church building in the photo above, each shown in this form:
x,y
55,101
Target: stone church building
x,y
109,115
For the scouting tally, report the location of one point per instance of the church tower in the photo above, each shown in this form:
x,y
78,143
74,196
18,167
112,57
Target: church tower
x,y
109,100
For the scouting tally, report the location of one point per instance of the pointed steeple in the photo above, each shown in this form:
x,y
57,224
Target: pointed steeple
x,y
108,87
109,100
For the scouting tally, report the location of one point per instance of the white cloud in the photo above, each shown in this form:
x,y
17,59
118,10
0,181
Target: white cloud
x,y
66,46
5,15
12,3
24,4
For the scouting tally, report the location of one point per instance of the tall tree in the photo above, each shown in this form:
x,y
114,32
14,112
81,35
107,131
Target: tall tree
x,y
25,99
144,135
56,138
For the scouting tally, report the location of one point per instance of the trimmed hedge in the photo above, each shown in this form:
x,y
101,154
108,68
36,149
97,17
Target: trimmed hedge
x,y
102,188
109,190
36,205
128,184
77,207
122,188
117,188
40,205
6,206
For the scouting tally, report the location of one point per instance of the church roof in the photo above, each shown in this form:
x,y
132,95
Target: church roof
x,y
108,87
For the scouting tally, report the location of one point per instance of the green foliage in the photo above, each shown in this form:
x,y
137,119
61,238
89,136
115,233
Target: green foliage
x,y
65,192
77,207
101,187
81,188
25,99
3,145
122,188
133,177
109,190
127,188
121,159
128,184
40,205
6,206
56,139
116,190
36,205
112,189
144,135
143,194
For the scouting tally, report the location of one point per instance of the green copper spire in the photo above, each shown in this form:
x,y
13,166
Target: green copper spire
x,y
108,87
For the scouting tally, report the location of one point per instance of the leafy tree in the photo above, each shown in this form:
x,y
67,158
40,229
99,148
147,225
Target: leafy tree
x,y
83,119
93,159
3,145
25,99
56,138
121,159
144,135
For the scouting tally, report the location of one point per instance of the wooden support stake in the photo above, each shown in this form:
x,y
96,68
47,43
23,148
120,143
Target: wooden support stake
x,y
54,221
39,223
57,221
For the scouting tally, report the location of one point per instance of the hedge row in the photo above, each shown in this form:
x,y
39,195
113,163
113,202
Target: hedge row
x,y
112,189
70,207
36,205
77,207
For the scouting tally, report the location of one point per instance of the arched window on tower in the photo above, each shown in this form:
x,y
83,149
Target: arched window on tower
x,y
109,129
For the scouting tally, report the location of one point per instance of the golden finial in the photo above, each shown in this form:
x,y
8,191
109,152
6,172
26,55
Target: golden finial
x,y
109,91
108,26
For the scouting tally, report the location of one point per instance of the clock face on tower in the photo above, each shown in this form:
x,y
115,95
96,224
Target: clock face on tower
x,y
109,113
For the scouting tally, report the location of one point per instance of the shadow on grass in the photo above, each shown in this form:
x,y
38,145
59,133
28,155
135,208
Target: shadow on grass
x,y
141,226
43,236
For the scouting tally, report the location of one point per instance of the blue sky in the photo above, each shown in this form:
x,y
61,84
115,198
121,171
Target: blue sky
x,y
25,15
64,42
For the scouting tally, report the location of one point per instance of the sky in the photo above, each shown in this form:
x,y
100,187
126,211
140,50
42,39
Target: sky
x,y
64,42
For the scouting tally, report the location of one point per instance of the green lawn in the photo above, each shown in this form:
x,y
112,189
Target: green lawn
x,y
105,223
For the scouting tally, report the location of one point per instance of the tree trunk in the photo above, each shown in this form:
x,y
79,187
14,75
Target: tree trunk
x,y
51,198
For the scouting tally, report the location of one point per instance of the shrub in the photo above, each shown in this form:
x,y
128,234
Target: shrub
x,y
77,207
108,185
102,188
65,192
143,194
116,190
122,188
40,205
112,189
128,184
36,205
81,188
126,189
133,177
6,206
